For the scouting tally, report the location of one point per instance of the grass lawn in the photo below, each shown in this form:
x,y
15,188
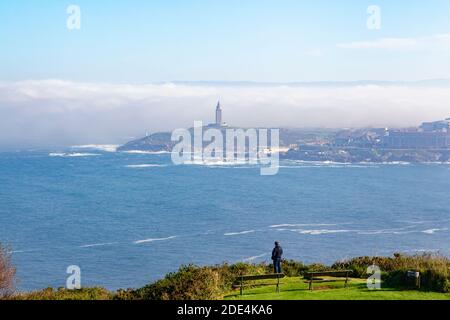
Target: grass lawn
x,y
297,289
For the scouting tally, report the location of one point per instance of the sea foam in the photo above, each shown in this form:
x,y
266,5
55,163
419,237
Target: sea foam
x,y
98,245
321,231
145,152
249,259
432,231
100,147
153,240
303,225
238,233
73,155
149,165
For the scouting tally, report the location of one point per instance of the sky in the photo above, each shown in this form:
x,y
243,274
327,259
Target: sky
x,y
137,41
123,72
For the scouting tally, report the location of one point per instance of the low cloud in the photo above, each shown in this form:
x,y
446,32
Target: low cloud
x,y
433,42
54,112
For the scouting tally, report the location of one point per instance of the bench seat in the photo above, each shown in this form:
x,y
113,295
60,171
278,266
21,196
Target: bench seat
x,y
240,282
335,275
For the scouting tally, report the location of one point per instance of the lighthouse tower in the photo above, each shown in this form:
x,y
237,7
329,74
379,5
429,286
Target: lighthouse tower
x,y
218,115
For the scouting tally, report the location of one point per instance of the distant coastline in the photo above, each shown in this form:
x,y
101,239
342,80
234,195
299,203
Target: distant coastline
x,y
429,143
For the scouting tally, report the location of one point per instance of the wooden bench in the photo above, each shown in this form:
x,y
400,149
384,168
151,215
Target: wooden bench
x,y
338,275
241,280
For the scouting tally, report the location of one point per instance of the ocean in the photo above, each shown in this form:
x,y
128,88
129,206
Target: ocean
x,y
126,219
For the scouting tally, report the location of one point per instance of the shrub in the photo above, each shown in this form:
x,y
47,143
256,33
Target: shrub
x,y
189,283
194,283
228,273
64,294
434,269
210,283
7,272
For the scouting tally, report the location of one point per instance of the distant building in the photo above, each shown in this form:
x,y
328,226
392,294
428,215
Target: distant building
x,y
219,123
218,114
416,140
430,135
436,126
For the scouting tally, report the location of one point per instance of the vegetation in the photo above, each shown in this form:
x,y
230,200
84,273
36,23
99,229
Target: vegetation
x,y
434,269
297,289
216,282
64,294
7,272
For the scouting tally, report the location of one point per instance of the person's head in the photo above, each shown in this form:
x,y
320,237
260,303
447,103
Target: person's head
x,y
277,243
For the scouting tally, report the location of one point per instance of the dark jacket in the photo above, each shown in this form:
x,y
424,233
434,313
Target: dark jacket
x,y
277,252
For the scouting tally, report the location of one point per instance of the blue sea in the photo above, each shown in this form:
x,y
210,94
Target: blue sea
x,y
127,219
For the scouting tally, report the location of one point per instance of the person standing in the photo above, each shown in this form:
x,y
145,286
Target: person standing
x,y
277,253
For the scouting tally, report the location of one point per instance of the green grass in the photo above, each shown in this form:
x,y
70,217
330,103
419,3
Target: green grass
x,y
297,289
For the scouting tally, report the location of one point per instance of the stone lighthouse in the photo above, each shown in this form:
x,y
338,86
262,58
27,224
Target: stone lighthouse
x,y
218,115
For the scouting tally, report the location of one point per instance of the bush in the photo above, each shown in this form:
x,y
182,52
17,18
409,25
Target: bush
x,y
210,283
228,273
189,283
434,269
64,294
292,268
7,272
194,283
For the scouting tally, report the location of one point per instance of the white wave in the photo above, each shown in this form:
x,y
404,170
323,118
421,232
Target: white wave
x,y
422,250
74,154
230,167
153,240
404,163
295,167
432,231
303,225
322,231
326,164
145,152
238,233
431,163
334,164
23,251
415,222
219,163
15,251
318,163
149,165
254,257
403,230
98,245
374,232
395,231
101,147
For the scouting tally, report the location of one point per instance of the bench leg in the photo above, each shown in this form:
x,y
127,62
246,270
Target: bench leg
x,y
242,287
278,285
310,285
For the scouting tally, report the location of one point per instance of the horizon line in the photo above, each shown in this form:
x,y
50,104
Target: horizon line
x,y
249,82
